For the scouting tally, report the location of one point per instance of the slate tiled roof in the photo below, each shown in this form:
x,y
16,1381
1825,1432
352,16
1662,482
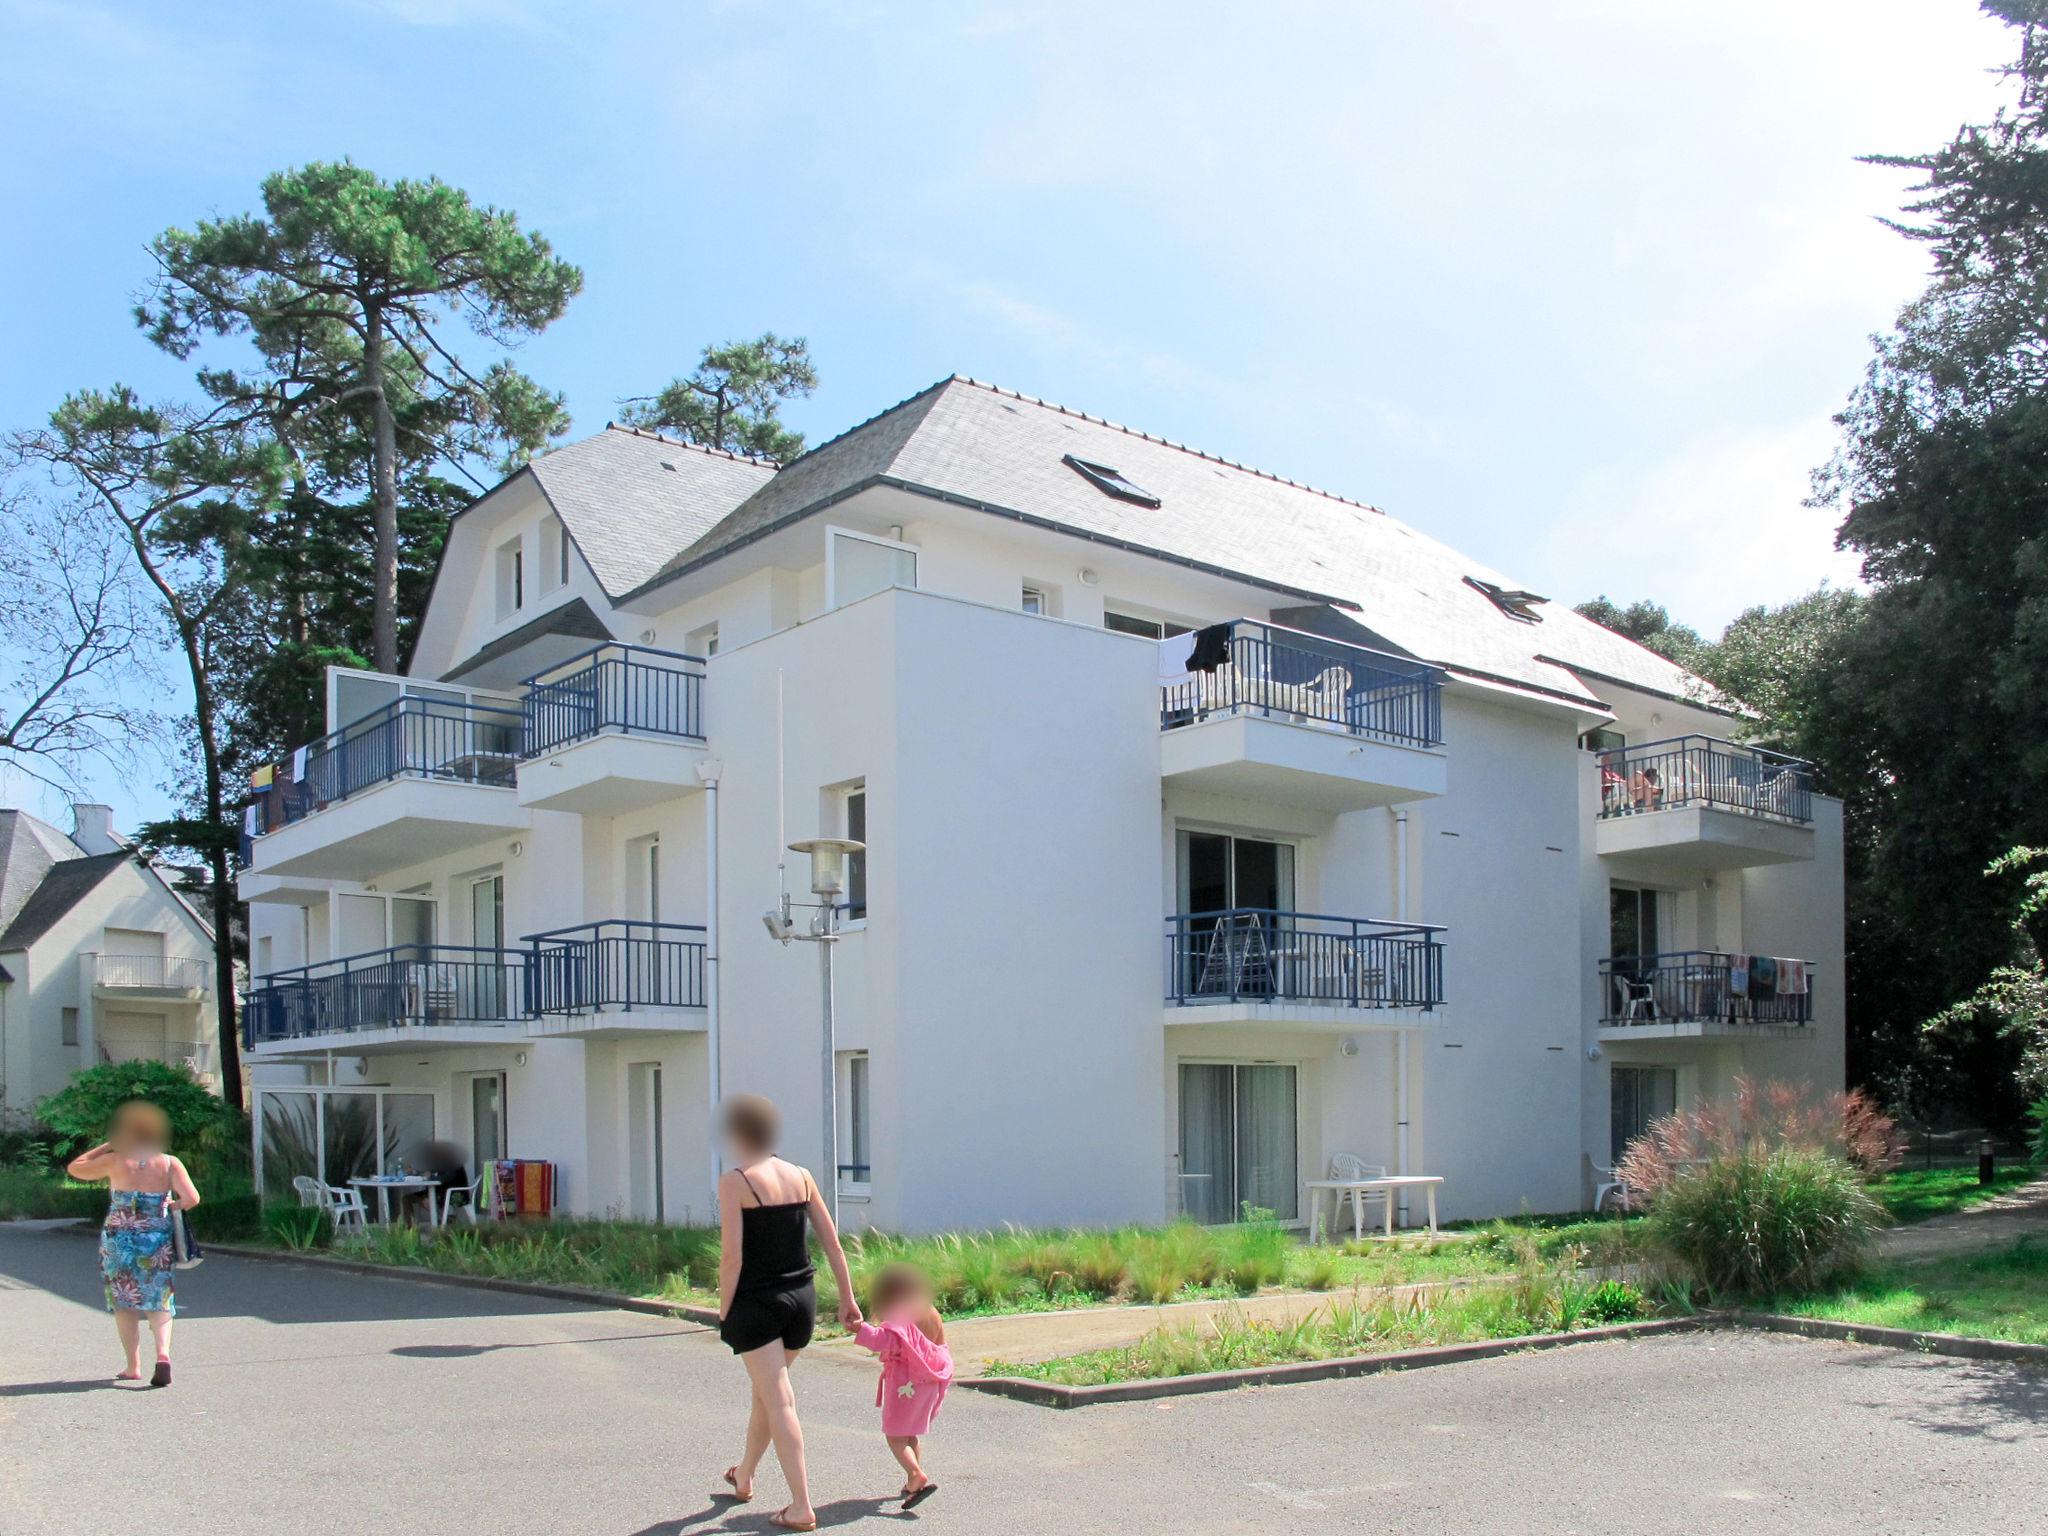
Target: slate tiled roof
x,y
28,847
975,442
630,499
65,885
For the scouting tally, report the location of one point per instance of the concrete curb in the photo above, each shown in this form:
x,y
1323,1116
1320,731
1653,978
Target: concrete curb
x,y
1961,1346
1047,1394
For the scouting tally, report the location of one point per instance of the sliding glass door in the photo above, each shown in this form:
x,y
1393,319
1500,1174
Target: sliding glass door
x,y
1219,872
1238,1141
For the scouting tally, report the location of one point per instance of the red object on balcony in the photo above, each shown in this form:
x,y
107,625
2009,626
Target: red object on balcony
x,y
522,1187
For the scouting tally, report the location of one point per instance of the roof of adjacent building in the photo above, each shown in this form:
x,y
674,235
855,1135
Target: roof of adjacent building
x,y
63,887
29,846
645,510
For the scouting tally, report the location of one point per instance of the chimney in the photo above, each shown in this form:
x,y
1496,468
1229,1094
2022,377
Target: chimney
x,y
92,828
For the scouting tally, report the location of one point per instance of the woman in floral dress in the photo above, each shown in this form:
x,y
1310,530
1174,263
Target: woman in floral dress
x,y
135,1243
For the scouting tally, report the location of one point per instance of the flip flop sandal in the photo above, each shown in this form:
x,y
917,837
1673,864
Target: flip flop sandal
x,y
781,1520
733,1482
920,1496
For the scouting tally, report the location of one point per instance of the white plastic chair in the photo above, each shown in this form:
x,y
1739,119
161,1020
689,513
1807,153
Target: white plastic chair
x,y
1606,1181
347,1208
1346,1165
474,1189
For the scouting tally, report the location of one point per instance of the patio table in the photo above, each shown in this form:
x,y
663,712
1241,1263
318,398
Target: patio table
x,y
384,1183
1391,1183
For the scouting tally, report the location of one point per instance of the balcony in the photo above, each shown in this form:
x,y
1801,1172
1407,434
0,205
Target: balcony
x,y
416,779
618,976
1289,717
1697,994
615,729
391,1000
1700,804
1255,964
180,977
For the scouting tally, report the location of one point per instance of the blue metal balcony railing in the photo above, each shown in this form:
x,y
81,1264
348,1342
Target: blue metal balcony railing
x,y
1703,770
1700,986
618,964
623,688
1258,954
409,984
1290,675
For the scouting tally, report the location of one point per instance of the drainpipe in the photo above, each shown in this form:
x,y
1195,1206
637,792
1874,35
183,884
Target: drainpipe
x,y
1401,1036
708,771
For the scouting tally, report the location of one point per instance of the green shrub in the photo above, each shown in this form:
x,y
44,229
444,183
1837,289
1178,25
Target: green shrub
x,y
1756,1222
227,1218
205,1132
2039,1115
1614,1301
26,1195
300,1228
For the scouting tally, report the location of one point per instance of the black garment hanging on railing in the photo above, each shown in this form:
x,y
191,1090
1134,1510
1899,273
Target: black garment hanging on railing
x,y
1212,648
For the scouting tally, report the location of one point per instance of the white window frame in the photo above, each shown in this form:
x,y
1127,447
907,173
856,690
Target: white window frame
x,y
554,553
410,688
508,568
702,641
68,1024
856,1093
1035,602
834,533
1302,1161
385,899
847,794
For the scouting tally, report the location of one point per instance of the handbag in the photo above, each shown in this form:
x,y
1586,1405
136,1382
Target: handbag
x,y
185,1252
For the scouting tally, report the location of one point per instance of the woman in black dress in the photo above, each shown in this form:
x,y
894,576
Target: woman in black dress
x,y
767,1304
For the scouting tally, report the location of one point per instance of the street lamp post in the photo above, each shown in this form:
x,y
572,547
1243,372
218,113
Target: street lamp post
x,y
828,881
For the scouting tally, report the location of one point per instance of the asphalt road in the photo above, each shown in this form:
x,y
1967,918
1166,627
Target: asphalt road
x,y
309,1400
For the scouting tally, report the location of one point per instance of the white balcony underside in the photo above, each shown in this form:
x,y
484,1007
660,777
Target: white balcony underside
x,y
1699,1029
390,1040
1328,1018
1699,838
611,774
402,822
1292,763
619,1023
124,992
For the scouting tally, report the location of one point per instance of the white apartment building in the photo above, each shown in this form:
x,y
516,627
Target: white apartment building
x,y
1213,825
100,959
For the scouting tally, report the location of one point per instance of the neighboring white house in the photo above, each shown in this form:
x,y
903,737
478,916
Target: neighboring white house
x,y
100,960
1214,826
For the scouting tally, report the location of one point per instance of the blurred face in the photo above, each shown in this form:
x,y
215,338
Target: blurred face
x,y
140,1128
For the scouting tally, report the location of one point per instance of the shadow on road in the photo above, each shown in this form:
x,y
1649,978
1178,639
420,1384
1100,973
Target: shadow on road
x,y
471,1351
1972,1399
59,1388
737,1517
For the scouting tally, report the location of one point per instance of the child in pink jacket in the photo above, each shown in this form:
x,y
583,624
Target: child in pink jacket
x,y
916,1368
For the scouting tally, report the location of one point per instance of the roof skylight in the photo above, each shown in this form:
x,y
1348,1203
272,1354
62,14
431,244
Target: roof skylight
x,y
1110,481
1512,601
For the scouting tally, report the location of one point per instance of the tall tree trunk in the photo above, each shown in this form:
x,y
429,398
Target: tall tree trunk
x,y
206,711
384,577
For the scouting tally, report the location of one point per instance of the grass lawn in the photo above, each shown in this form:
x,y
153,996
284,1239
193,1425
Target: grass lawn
x,y
1535,1302
1998,1294
1915,1194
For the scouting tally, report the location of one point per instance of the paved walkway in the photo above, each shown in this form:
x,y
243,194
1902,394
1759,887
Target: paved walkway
x,y
308,1399
2002,1219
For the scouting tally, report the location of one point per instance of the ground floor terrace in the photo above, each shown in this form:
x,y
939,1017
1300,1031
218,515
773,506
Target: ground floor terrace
x,y
407,1407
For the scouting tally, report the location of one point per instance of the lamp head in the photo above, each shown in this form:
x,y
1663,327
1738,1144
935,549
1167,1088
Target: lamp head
x,y
828,861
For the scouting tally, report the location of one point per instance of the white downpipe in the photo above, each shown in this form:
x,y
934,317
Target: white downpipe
x,y
709,771
1401,1036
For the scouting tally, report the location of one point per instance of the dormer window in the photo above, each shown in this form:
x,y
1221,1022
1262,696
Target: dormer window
x,y
1512,601
1110,481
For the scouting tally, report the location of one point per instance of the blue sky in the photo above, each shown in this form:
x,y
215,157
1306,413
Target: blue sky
x,y
1572,285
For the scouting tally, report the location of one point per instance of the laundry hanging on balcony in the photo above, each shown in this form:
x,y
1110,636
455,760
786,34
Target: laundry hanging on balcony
x,y
1211,648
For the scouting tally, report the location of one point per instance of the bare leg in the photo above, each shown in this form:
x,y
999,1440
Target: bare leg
x,y
129,1325
768,1369
904,1449
160,1329
757,1444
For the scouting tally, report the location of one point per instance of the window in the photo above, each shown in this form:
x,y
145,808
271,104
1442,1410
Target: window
x,y
858,565
643,878
70,1036
1131,624
511,578
554,549
859,1117
1110,481
266,958
1639,1095
1633,922
1034,600
702,641
857,863
1605,740
1512,601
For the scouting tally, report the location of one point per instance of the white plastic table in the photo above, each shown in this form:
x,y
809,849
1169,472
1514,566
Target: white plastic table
x,y
384,1183
1390,1183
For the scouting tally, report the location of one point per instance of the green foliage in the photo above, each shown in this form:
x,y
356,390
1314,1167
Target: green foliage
x,y
1759,1221
297,1227
1615,1301
227,1213
202,1127
1997,1294
28,1194
2039,1139
733,400
1646,623
1919,1194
